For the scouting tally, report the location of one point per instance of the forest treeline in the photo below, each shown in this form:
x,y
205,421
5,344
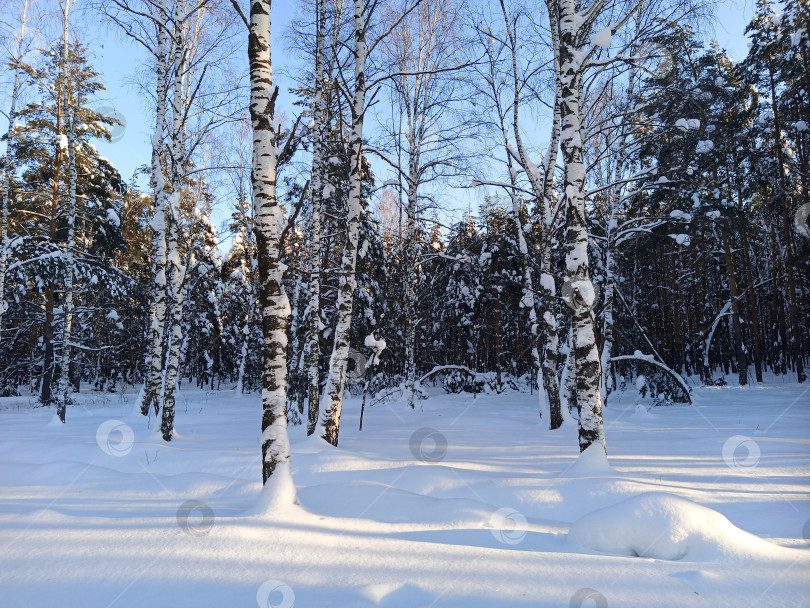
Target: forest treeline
x,y
645,206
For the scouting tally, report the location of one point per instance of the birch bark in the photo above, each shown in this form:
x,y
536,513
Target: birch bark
x,y
314,350
154,379
176,268
581,299
543,187
268,227
335,383
67,304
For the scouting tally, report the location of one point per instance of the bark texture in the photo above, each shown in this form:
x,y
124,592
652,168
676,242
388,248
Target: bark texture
x,y
268,226
580,295
335,383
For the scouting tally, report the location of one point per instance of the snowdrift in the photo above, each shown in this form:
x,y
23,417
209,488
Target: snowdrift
x,y
663,526
592,462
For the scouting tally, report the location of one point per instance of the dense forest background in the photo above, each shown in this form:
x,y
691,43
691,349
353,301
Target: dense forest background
x,y
698,171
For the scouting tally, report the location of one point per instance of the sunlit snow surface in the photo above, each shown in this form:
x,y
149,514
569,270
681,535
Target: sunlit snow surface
x,y
463,502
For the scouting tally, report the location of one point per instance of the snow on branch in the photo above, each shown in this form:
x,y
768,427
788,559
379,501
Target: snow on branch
x,y
444,368
652,361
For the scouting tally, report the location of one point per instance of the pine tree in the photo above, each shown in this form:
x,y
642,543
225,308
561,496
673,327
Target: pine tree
x,y
42,214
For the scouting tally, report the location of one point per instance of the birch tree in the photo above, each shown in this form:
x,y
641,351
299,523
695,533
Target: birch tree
x,y
425,52
541,180
182,45
574,24
583,54
365,15
318,130
67,305
269,230
148,23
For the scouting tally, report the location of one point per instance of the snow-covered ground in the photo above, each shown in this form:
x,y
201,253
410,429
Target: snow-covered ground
x,y
464,502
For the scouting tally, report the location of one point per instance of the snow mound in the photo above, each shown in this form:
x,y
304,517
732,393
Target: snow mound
x,y
278,498
591,463
662,526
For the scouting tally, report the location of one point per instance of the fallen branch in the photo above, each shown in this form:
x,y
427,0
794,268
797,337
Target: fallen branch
x,y
681,382
443,368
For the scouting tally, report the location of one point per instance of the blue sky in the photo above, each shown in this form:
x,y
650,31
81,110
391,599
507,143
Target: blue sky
x,y
119,60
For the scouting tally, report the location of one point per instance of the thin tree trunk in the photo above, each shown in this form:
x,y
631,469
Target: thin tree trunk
x,y
543,189
154,373
176,275
527,300
314,337
781,331
175,267
335,383
48,360
243,354
568,381
409,261
67,304
739,348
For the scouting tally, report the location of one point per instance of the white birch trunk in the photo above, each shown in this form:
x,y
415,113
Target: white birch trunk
x,y
527,298
176,279
606,378
568,383
154,378
176,269
313,338
243,353
529,303
586,355
296,366
543,189
409,258
548,286
67,303
335,383
268,226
